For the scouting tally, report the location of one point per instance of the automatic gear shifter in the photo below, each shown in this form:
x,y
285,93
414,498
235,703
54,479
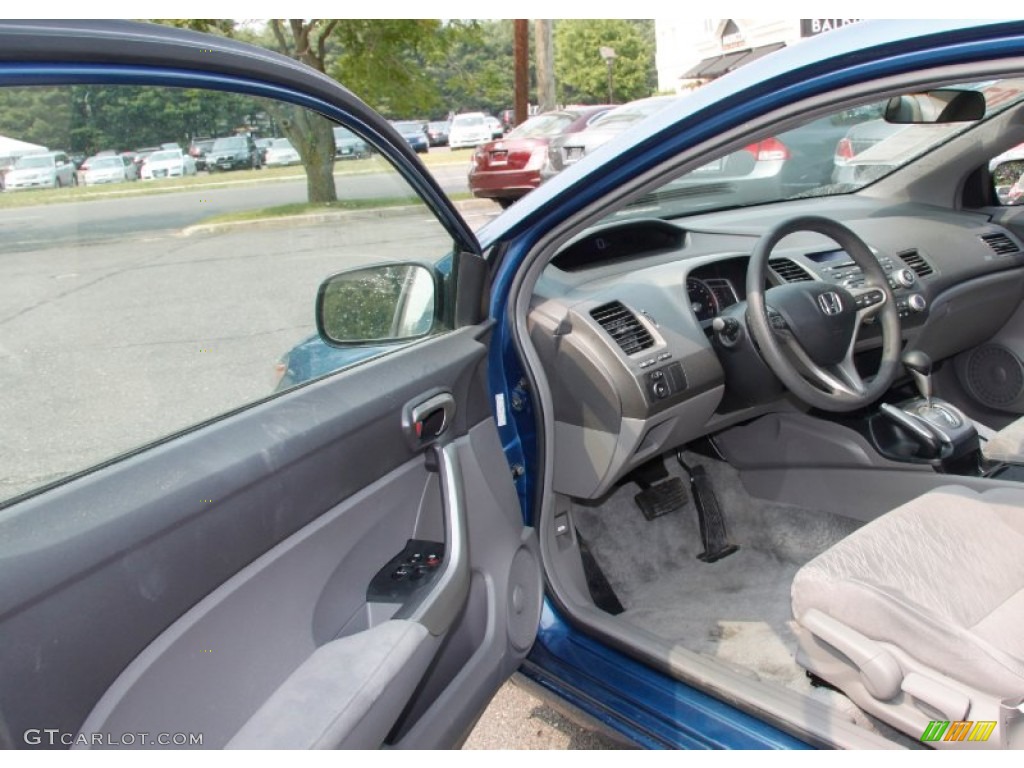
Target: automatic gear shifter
x,y
920,367
941,415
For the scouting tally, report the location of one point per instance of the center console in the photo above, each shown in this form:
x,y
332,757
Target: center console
x,y
927,429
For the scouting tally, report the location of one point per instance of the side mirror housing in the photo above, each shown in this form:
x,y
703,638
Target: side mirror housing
x,y
381,304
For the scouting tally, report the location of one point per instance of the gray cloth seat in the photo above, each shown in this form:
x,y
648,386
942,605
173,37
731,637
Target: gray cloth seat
x,y
920,613
1007,444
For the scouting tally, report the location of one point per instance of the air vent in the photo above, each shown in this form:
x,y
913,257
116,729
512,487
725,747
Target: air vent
x,y
1001,244
790,271
916,262
623,326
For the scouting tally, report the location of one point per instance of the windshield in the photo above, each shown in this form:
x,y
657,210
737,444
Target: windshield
x,y
549,124
408,127
840,153
34,161
469,121
633,112
233,142
281,144
168,155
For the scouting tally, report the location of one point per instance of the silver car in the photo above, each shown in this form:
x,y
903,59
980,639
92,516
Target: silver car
x,y
46,170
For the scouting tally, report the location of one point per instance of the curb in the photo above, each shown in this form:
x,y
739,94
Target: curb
x,y
462,206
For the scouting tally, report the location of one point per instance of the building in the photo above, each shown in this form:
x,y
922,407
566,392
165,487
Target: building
x,y
691,52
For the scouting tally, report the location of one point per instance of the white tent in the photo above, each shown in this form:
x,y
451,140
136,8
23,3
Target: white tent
x,y
13,148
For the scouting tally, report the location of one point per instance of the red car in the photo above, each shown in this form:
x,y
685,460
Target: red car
x,y
506,169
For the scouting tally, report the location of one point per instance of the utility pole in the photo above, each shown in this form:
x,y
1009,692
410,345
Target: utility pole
x,y
521,52
542,40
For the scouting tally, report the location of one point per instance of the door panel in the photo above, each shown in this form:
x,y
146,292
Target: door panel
x,y
279,516
230,581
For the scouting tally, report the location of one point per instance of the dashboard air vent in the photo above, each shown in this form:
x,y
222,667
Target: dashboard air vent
x,y
789,271
916,262
623,326
1000,243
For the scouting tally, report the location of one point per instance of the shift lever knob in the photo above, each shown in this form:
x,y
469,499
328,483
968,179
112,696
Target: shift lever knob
x,y
917,361
920,367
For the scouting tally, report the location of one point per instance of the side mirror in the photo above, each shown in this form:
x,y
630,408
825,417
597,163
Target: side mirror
x,y
945,105
377,305
1007,180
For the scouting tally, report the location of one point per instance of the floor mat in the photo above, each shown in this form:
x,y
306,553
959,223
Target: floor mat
x,y
653,567
737,609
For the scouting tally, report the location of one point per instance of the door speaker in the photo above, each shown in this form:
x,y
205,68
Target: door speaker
x,y
993,375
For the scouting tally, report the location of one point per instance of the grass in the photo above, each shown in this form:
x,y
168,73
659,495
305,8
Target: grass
x,y
302,209
376,164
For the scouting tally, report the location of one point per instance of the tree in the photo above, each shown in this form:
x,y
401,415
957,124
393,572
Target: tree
x,y
582,74
383,60
387,62
477,73
310,134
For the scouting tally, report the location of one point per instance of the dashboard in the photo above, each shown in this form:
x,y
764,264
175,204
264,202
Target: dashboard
x,y
623,318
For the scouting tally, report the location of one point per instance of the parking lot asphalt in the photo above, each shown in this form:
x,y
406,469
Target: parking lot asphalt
x,y
516,719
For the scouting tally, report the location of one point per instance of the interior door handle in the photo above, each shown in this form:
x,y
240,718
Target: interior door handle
x,y
426,421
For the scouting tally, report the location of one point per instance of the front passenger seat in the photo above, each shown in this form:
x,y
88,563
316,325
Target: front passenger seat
x,y
1007,444
919,616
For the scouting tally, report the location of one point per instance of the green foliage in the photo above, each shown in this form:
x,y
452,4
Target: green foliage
x,y
40,115
581,74
477,75
91,118
386,62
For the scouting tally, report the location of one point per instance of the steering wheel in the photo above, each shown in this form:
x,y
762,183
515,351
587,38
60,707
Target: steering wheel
x,y
807,331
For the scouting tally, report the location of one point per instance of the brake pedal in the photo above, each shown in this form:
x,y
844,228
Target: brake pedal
x,y
713,534
662,498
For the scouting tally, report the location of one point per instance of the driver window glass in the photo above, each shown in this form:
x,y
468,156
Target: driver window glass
x,y
162,262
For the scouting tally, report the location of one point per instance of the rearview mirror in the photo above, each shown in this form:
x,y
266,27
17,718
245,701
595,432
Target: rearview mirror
x,y
946,105
376,305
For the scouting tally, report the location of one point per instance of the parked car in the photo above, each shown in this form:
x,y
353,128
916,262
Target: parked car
x,y
198,150
111,169
262,145
348,146
507,169
497,129
700,472
437,133
167,163
230,153
281,152
41,170
568,149
414,134
140,157
468,130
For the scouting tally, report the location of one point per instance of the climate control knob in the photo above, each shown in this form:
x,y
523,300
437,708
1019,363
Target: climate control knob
x,y
904,278
916,302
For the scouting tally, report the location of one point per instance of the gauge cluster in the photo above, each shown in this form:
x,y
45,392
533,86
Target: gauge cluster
x,y
712,288
709,297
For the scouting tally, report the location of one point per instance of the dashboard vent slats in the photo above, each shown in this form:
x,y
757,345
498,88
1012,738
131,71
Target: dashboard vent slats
x,y
623,326
789,271
1000,244
916,262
